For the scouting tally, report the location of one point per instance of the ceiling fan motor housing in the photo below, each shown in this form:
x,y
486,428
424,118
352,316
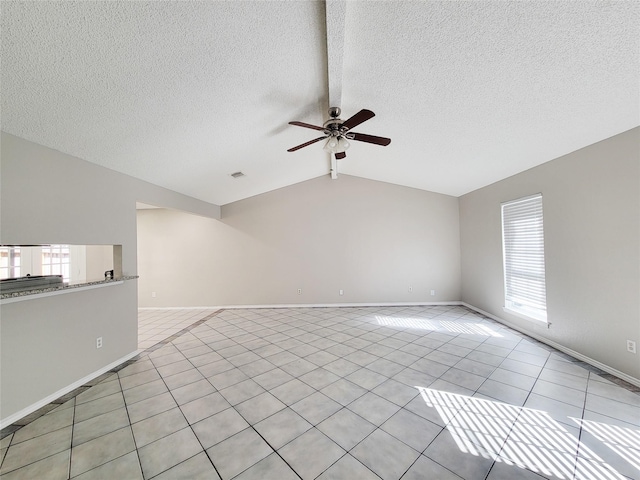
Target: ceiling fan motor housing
x,y
332,126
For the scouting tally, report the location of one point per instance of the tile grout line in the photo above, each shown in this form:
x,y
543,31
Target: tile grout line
x,y
73,429
516,419
126,409
581,430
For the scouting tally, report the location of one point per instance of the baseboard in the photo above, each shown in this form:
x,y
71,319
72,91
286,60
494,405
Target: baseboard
x,y
557,346
311,305
5,422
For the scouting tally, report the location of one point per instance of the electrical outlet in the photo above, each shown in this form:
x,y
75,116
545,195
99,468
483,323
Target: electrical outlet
x,y
433,292
99,342
153,294
341,292
299,291
410,289
631,346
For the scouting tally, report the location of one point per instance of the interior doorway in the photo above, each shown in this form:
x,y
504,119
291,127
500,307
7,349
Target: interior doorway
x,y
156,324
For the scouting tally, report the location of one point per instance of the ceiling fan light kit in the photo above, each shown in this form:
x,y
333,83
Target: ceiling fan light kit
x,y
337,145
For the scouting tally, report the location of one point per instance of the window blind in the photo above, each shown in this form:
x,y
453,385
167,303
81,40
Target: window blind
x,y
523,250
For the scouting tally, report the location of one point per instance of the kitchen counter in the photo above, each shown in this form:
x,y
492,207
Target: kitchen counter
x,y
45,292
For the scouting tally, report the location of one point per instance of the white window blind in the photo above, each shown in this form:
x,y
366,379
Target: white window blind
x,y
523,250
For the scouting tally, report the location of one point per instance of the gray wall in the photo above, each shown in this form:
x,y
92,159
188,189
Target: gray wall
x,y
591,202
49,197
50,343
371,239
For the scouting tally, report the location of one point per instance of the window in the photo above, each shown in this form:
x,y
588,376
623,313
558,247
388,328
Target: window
x,y
523,251
76,263
55,261
9,262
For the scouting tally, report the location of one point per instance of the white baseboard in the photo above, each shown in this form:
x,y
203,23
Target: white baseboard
x,y
45,401
557,346
180,308
309,305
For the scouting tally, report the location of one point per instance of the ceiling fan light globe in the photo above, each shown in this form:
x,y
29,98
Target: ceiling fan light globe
x,y
331,145
336,145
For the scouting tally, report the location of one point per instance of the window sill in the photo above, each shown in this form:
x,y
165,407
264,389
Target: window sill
x,y
524,316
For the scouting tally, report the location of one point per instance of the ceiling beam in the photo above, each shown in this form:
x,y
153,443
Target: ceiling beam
x,y
335,13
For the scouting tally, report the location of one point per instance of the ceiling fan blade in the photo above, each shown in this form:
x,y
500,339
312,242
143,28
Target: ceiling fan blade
x,y
340,155
357,119
361,137
306,144
306,125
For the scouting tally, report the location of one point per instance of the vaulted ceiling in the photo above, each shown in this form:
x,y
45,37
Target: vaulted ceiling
x,y
184,93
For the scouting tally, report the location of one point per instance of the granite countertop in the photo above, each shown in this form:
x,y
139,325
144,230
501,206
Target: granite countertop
x,y
24,293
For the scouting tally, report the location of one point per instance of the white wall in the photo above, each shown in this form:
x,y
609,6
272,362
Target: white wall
x,y
371,239
591,205
49,197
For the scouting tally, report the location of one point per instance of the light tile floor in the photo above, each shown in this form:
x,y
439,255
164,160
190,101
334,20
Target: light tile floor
x,y
155,325
338,393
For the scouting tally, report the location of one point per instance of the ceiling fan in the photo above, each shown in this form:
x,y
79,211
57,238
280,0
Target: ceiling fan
x,y
337,132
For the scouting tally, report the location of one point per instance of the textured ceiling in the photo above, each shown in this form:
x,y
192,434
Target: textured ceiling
x,y
182,94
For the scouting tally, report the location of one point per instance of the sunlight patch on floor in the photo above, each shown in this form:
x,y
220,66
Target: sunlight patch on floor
x,y
517,436
623,441
457,327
